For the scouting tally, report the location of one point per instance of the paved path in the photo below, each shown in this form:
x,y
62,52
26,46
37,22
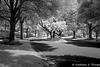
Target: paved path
x,y
69,49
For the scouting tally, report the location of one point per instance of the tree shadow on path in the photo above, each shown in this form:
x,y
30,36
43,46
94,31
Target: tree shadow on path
x,y
83,43
72,60
42,47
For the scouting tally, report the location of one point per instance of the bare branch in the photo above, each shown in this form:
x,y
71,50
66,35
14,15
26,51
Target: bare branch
x,y
16,4
7,3
44,26
4,18
95,26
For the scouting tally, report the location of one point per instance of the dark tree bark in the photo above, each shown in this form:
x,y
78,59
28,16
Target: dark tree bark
x,y
26,32
21,30
21,26
53,34
90,31
96,36
12,26
46,28
59,32
14,17
74,34
35,32
11,34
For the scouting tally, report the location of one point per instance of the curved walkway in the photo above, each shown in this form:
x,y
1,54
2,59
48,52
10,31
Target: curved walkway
x,y
63,47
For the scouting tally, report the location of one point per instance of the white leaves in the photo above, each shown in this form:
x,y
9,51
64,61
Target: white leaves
x,y
72,26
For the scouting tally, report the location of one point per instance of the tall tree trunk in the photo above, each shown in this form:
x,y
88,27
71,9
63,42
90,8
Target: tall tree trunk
x,y
27,33
74,34
21,30
90,31
35,33
12,32
96,36
53,34
12,23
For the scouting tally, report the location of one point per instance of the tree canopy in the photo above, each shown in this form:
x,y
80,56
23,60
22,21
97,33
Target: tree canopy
x,y
89,10
11,10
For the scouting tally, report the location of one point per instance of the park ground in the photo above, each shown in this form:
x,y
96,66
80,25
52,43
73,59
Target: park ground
x,y
41,52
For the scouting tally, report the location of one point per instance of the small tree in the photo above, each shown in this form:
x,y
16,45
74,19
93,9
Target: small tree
x,y
60,26
73,27
48,27
71,21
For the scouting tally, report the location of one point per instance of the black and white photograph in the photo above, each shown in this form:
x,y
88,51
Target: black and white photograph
x,y
49,33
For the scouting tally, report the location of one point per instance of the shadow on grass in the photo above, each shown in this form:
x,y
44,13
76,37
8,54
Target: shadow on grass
x,y
17,43
68,60
48,39
83,43
42,47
